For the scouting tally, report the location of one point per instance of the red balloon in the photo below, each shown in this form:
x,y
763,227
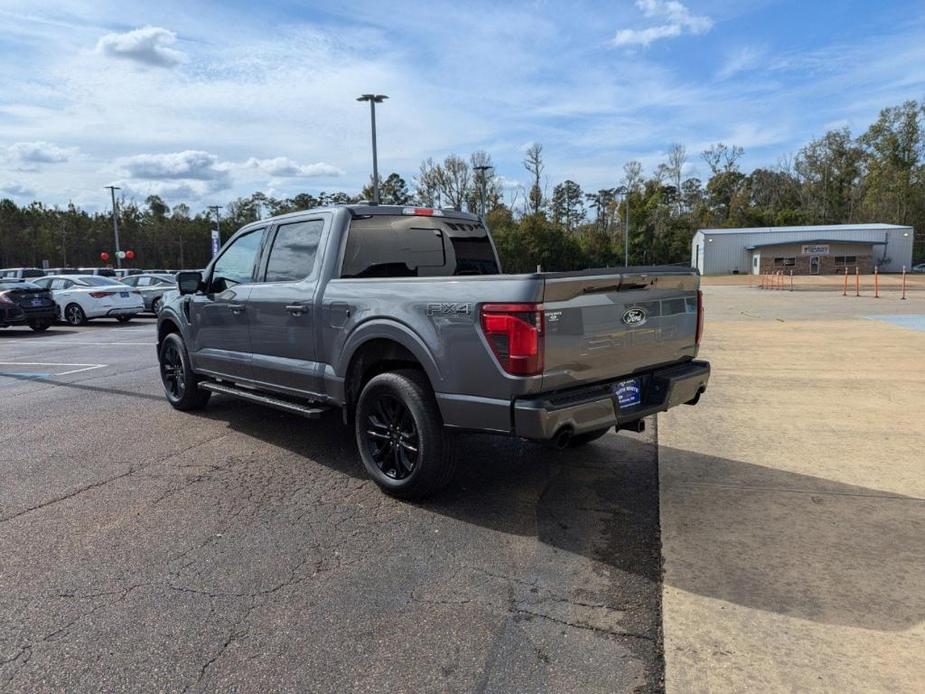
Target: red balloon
x,y
130,254
104,256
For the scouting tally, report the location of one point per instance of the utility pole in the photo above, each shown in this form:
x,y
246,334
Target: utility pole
x,y
217,231
374,99
482,169
115,223
626,236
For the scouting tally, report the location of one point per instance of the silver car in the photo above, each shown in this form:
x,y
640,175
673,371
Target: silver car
x,y
151,287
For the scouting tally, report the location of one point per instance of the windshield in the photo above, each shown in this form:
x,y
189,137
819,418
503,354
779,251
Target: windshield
x,y
413,246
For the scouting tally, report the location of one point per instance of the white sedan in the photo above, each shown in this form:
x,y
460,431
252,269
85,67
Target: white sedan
x,y
918,268
81,297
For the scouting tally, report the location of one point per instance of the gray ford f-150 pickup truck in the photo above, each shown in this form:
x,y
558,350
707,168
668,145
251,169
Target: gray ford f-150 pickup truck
x,y
402,317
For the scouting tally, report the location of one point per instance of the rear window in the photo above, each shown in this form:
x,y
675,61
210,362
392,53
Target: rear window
x,y
97,281
4,286
413,246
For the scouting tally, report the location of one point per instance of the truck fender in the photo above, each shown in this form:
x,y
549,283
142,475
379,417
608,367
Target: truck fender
x,y
383,329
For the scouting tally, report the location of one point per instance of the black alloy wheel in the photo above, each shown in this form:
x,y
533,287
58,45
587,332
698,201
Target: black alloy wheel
x,y
392,437
181,385
172,372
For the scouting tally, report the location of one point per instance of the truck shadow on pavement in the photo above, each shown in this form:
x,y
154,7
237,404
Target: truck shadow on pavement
x,y
762,538
793,544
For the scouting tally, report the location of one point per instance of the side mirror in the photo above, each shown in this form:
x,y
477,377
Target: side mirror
x,y
189,282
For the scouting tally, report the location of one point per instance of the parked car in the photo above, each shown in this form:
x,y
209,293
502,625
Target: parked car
x,y
101,271
918,268
21,273
126,272
151,288
61,271
82,297
402,318
25,303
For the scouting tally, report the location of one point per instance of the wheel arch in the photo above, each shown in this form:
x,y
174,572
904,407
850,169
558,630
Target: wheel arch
x,y
380,348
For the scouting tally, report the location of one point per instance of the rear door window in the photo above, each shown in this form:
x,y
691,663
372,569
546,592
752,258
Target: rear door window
x,y
414,246
292,257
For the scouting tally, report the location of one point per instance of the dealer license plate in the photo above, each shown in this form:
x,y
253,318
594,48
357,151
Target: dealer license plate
x,y
124,295
627,393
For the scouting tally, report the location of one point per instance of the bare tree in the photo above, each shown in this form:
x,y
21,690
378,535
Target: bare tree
x,y
722,159
677,158
427,183
533,163
454,180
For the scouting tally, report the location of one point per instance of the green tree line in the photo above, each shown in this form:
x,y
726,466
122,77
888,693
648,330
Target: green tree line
x,y
877,176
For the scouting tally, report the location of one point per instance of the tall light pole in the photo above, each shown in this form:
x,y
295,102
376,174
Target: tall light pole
x,y
482,168
115,223
217,231
374,99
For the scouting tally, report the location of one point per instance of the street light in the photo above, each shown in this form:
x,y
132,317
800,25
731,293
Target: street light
x,y
374,99
115,223
482,168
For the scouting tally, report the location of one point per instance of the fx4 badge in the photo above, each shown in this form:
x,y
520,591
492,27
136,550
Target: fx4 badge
x,y
449,309
635,317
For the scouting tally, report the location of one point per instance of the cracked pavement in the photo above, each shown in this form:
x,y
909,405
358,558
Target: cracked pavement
x,y
244,549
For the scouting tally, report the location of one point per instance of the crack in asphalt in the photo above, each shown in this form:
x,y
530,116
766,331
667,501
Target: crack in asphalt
x,y
101,483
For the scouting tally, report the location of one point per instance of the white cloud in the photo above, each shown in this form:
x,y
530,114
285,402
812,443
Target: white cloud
x,y
741,60
192,164
676,20
17,190
284,167
27,156
148,45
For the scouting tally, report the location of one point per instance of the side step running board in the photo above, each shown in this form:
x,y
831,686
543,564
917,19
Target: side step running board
x,y
309,411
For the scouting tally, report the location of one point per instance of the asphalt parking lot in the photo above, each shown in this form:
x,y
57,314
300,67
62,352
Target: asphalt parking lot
x,y
241,548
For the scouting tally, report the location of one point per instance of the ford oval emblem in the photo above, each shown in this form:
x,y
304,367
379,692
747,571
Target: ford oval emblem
x,y
635,317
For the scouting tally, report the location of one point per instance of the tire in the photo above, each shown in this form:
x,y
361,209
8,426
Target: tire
x,y
124,319
181,385
579,440
157,305
74,315
400,435
40,325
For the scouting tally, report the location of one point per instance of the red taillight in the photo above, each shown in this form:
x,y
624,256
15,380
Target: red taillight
x,y
699,317
100,295
515,334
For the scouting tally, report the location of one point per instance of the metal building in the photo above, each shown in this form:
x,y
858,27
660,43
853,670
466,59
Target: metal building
x,y
805,250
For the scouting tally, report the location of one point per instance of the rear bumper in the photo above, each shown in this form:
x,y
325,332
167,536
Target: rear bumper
x,y
132,311
15,315
594,407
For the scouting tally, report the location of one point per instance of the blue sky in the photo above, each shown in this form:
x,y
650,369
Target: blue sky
x,y
203,102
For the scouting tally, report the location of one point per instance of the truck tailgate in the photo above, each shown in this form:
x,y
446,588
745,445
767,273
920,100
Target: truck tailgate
x,y
612,323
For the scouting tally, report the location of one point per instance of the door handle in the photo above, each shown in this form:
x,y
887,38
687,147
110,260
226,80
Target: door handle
x,y
296,309
236,309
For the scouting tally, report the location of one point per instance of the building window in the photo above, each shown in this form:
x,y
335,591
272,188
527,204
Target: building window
x,y
785,262
842,260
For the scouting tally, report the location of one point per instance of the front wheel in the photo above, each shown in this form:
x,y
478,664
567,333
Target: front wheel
x,y
74,315
400,434
157,305
181,385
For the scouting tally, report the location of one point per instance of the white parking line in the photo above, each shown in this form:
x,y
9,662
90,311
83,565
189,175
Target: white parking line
x,y
64,343
83,367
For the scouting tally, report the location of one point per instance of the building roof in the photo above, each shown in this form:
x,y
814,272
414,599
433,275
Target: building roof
x,y
808,242
817,227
